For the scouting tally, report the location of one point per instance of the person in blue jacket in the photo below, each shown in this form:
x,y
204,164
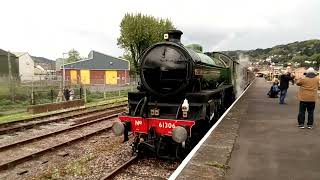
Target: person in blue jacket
x,y
274,90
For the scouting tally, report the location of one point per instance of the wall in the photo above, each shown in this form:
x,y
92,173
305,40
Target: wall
x,y
123,77
98,76
26,68
4,66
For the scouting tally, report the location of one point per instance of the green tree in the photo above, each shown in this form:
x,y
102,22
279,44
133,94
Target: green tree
x,y
73,56
316,58
196,47
138,32
300,59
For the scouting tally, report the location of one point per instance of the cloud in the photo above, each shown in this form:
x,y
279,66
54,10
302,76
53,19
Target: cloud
x,y
49,28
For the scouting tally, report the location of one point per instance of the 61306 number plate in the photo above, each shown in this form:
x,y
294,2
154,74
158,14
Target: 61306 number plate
x,y
161,126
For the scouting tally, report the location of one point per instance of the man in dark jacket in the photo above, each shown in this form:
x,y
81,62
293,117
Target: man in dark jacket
x,y
66,94
284,85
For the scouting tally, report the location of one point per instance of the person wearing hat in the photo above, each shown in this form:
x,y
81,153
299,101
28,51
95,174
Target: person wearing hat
x,y
307,96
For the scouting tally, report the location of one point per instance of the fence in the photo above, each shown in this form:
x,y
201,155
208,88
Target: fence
x,y
17,95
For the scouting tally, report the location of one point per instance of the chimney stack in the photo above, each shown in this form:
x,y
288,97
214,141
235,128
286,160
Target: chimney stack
x,y
173,36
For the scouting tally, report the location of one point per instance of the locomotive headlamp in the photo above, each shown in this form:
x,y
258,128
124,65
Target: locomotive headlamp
x,y
185,105
118,128
185,108
156,112
179,134
166,36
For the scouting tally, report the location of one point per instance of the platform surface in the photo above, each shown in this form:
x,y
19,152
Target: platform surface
x,y
259,139
270,145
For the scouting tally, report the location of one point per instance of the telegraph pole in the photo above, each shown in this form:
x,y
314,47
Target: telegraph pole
x,y
61,97
63,72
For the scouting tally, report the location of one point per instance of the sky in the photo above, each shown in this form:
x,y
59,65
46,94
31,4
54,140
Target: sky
x,y
49,28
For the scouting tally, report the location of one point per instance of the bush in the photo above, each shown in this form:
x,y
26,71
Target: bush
x,y
6,102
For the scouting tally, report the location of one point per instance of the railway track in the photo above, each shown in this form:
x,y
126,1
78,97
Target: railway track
x,y
120,168
143,168
24,150
27,124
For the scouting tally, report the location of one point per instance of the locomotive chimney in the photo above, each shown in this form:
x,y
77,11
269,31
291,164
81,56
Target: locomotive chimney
x,y
173,36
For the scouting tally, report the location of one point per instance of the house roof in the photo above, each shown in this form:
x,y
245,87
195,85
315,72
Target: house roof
x,y
45,63
18,54
5,53
99,61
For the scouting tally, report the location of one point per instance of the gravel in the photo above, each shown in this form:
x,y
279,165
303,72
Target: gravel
x,y
91,158
149,169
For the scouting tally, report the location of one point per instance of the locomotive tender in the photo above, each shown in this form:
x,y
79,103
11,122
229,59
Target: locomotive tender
x,y
181,95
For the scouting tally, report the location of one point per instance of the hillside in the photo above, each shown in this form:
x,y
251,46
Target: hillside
x,y
301,53
44,63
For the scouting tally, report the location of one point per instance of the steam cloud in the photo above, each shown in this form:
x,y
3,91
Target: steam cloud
x,y
241,76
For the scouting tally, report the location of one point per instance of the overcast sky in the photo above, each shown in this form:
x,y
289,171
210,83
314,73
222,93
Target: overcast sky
x,y
49,28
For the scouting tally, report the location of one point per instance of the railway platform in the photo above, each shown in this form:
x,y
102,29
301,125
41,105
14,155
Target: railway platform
x,y
257,139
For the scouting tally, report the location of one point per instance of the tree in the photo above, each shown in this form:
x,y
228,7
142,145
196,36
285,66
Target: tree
x,y
138,32
73,56
316,58
196,47
300,59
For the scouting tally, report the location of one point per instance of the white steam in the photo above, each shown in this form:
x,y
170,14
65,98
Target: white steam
x,y
241,74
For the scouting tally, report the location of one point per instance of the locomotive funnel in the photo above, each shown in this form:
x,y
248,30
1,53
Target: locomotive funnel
x,y
173,36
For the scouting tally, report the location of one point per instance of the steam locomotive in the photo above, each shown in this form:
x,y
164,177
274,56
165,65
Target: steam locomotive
x,y
182,94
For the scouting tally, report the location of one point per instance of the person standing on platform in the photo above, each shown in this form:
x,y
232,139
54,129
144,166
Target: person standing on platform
x,y
284,85
307,96
66,94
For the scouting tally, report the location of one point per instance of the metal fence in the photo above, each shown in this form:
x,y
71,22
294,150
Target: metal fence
x,y
18,94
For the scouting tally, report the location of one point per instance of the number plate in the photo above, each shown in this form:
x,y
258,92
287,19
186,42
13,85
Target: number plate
x,y
161,126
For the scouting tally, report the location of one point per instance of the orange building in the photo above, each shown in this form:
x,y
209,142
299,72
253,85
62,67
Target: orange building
x,y
98,69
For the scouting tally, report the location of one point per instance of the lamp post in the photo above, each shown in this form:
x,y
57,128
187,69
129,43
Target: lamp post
x,y
63,71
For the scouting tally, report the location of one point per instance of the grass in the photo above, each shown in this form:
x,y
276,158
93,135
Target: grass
x,y
76,168
16,110
217,165
109,101
14,117
25,115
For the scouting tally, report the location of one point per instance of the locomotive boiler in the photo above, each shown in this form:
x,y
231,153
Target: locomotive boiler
x,y
182,93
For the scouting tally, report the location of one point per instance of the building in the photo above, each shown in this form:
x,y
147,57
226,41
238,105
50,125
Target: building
x,y
4,66
98,69
47,64
34,68
26,66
